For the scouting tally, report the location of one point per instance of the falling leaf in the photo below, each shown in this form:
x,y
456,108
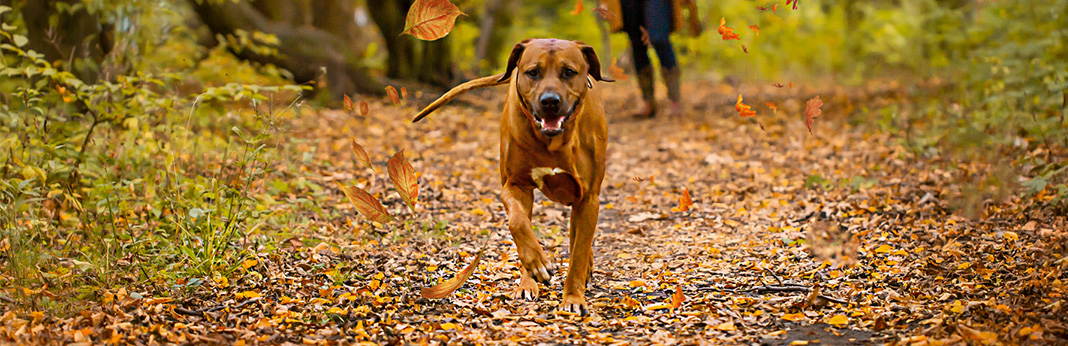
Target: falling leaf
x,y
363,108
392,92
743,109
774,108
812,110
746,50
678,298
777,85
791,84
795,3
367,205
603,11
445,288
404,93
361,155
728,33
578,8
617,72
762,8
756,29
348,103
684,202
838,320
403,176
774,7
430,19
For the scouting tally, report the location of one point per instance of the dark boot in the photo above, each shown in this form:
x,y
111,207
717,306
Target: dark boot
x,y
671,79
645,83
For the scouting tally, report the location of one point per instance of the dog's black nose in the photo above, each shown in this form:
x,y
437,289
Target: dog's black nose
x,y
550,101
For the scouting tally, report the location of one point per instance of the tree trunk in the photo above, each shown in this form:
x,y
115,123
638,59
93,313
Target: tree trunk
x,y
411,58
79,40
302,50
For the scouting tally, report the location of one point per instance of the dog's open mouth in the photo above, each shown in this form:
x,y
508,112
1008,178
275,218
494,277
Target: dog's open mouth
x,y
553,124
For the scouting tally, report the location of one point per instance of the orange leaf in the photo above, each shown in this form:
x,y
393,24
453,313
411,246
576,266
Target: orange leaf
x,y
578,8
774,108
366,204
728,33
430,19
755,29
363,108
743,109
403,176
404,93
678,298
812,110
392,92
445,288
774,7
361,154
617,72
791,84
685,202
348,103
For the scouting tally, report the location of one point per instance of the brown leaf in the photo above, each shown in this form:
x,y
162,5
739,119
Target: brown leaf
x,y
603,11
404,93
430,19
363,108
348,103
578,8
762,8
445,288
392,92
777,85
403,176
366,204
361,155
812,110
746,50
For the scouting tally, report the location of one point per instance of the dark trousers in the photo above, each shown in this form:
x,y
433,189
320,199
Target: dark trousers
x,y
656,17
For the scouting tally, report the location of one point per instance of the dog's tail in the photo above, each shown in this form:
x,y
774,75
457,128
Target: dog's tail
x,y
473,84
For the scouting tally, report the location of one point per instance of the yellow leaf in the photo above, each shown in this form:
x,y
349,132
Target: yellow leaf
x,y
793,317
403,176
248,294
430,19
249,264
799,342
883,248
445,288
726,326
685,202
1009,235
450,326
361,154
964,265
366,204
657,306
838,320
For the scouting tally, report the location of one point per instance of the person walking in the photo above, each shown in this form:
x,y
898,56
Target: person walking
x,y
649,23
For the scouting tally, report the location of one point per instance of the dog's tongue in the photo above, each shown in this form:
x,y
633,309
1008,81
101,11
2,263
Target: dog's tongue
x,y
553,124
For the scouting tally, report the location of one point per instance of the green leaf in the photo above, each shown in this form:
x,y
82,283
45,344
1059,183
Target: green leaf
x,y
1035,185
19,40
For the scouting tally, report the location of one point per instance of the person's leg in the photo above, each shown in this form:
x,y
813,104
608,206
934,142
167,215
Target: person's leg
x,y
659,17
633,21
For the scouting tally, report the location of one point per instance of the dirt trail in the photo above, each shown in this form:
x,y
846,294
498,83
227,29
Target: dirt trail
x,y
738,255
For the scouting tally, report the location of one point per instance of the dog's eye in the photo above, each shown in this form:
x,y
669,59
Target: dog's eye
x,y
533,74
568,73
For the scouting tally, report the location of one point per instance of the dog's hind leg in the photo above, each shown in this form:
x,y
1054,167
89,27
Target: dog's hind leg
x,y
583,226
533,263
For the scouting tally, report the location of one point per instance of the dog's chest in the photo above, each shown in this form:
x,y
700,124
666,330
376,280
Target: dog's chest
x,y
557,184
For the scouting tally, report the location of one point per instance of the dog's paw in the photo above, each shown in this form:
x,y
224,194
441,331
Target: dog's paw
x,y
527,289
538,266
575,304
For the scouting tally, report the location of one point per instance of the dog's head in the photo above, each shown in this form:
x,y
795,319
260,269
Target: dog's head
x,y
551,78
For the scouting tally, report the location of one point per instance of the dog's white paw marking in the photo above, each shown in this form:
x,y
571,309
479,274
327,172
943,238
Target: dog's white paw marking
x,y
538,174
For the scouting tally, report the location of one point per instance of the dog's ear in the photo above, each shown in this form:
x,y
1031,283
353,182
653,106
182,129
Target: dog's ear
x,y
513,59
593,62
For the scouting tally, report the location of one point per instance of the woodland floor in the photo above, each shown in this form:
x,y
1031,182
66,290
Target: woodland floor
x,y
756,257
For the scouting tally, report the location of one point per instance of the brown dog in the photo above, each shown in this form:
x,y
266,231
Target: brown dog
x,y
553,138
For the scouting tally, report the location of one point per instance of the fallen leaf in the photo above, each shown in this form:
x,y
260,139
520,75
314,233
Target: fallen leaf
x,y
727,326
678,298
392,92
367,205
445,288
838,320
883,248
685,202
578,8
743,109
403,176
812,110
430,19
728,33
793,317
361,155
248,294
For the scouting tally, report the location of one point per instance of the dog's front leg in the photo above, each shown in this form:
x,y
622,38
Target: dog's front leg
x,y
533,263
583,226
